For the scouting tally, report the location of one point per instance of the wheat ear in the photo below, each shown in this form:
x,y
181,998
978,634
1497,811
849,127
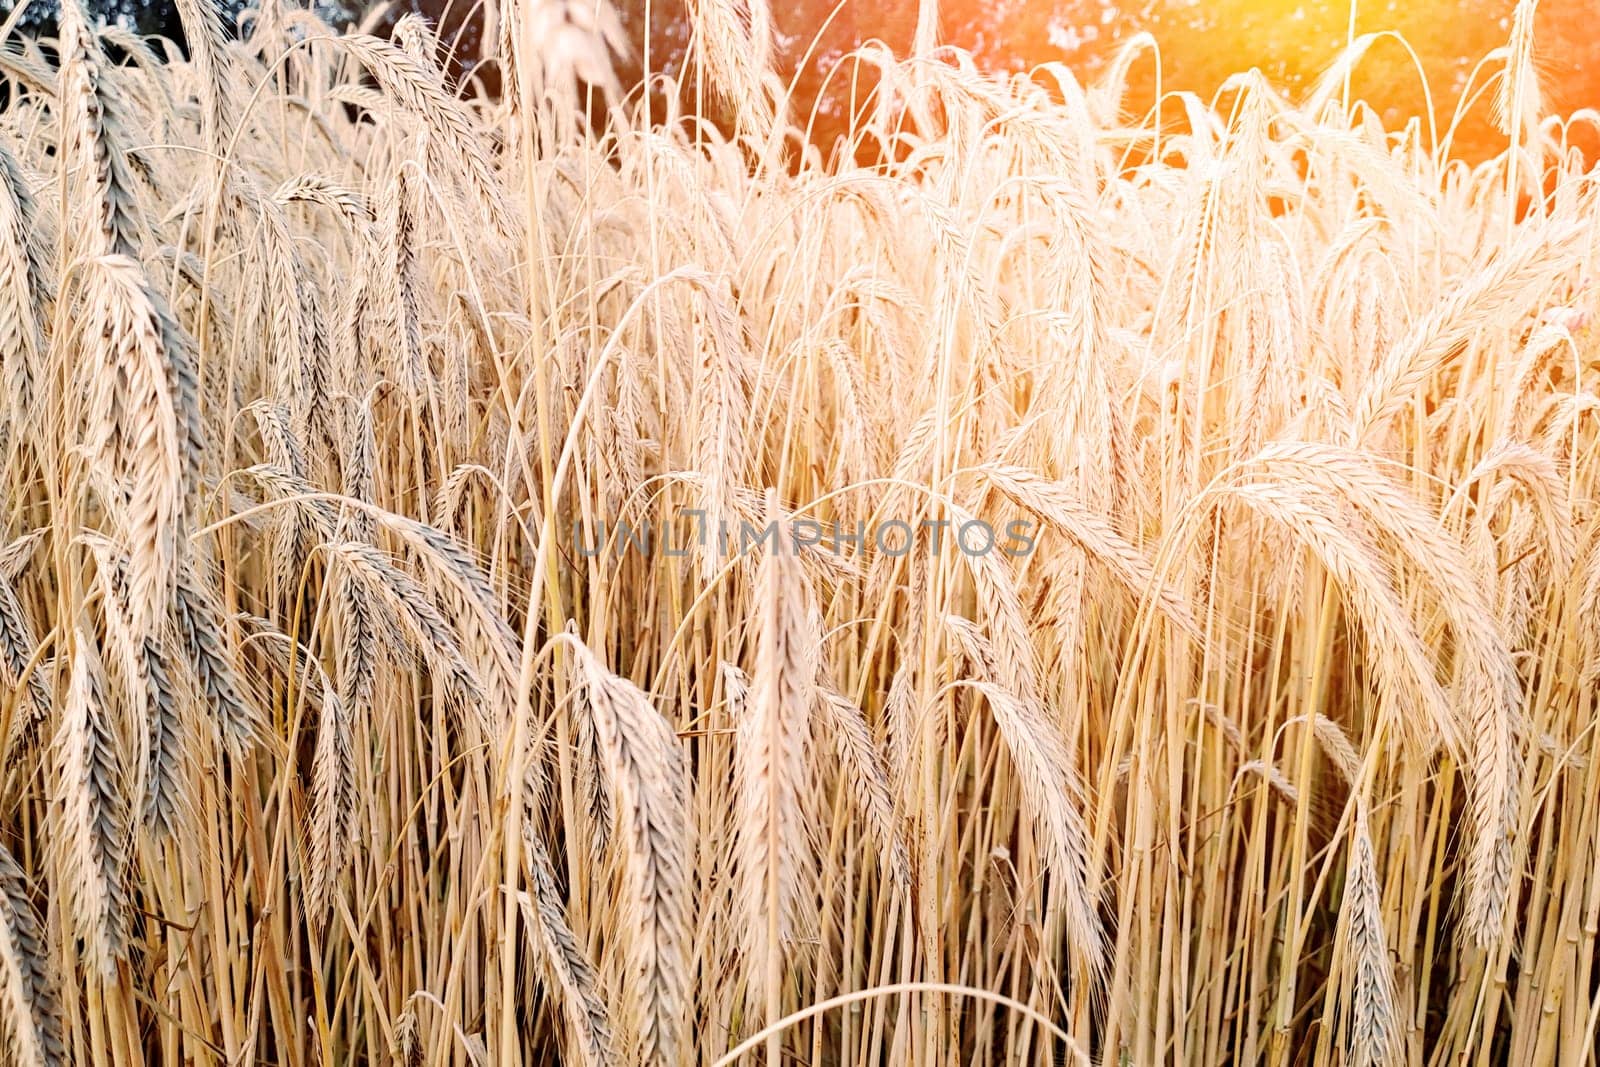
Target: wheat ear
x,y
770,767
17,647
434,639
333,798
866,781
136,427
411,85
90,135
90,812
1046,768
202,26
1375,1038
565,964
205,641
18,553
408,1049
649,780
22,299
1053,502
30,1006
145,675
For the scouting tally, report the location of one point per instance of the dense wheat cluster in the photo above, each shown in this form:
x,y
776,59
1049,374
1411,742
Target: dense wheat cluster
x,y
347,720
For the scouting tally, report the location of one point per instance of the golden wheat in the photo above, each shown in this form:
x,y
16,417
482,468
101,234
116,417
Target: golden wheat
x,y
505,581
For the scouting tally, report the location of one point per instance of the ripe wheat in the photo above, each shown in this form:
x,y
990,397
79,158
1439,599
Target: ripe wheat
x,y
1271,741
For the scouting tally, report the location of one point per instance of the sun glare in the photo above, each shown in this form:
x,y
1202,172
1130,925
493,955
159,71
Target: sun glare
x,y
1203,43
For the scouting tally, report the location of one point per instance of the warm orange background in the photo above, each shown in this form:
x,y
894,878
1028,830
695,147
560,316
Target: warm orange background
x,y
1202,42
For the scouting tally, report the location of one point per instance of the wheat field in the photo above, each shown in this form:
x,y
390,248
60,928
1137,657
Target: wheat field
x,y
349,719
